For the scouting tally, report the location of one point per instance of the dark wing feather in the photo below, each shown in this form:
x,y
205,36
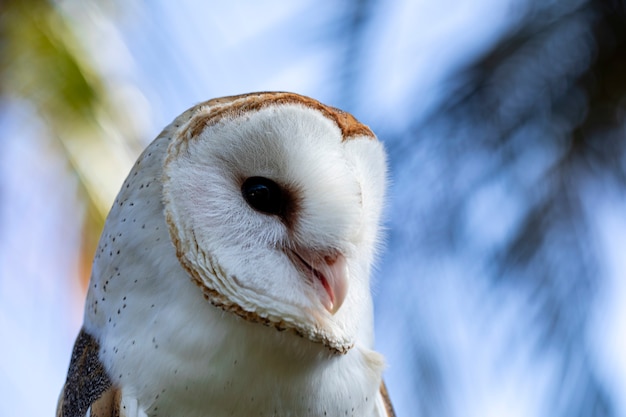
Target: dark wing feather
x,y
108,404
387,400
87,384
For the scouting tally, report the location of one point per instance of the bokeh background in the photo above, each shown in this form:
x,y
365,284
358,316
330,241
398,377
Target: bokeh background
x,y
502,291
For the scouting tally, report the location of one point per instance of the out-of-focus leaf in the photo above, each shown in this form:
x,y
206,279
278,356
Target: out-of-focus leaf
x,y
44,63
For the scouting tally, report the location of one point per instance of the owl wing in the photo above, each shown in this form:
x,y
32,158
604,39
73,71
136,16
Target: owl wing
x,y
88,391
386,401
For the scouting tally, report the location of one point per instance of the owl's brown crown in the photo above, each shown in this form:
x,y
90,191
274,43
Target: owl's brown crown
x,y
237,105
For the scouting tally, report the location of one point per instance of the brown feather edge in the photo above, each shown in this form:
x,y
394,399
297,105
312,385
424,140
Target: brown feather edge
x,y
386,400
87,382
233,106
222,303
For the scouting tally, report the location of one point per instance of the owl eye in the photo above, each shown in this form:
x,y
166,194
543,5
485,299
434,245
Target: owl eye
x,y
263,194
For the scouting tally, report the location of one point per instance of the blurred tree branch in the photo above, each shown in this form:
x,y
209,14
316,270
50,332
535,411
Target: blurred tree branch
x,y
552,87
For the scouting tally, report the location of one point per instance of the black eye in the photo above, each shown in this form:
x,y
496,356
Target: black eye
x,y
263,194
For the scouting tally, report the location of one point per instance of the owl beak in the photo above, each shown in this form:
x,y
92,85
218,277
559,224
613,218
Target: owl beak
x,y
332,273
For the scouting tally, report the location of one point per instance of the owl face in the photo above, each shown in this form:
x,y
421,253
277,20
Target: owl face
x,y
273,204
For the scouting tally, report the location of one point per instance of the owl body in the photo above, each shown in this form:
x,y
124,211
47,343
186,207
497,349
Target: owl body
x,y
232,276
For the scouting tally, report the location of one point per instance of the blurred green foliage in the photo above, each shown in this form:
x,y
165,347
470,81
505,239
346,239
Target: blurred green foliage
x,y
43,64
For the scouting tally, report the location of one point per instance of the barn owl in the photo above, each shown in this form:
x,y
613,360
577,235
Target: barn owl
x,y
232,277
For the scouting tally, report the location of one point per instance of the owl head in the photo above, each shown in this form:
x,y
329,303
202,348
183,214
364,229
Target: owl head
x,y
272,202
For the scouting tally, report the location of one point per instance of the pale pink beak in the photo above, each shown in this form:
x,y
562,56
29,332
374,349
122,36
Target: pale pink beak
x,y
334,277
332,273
